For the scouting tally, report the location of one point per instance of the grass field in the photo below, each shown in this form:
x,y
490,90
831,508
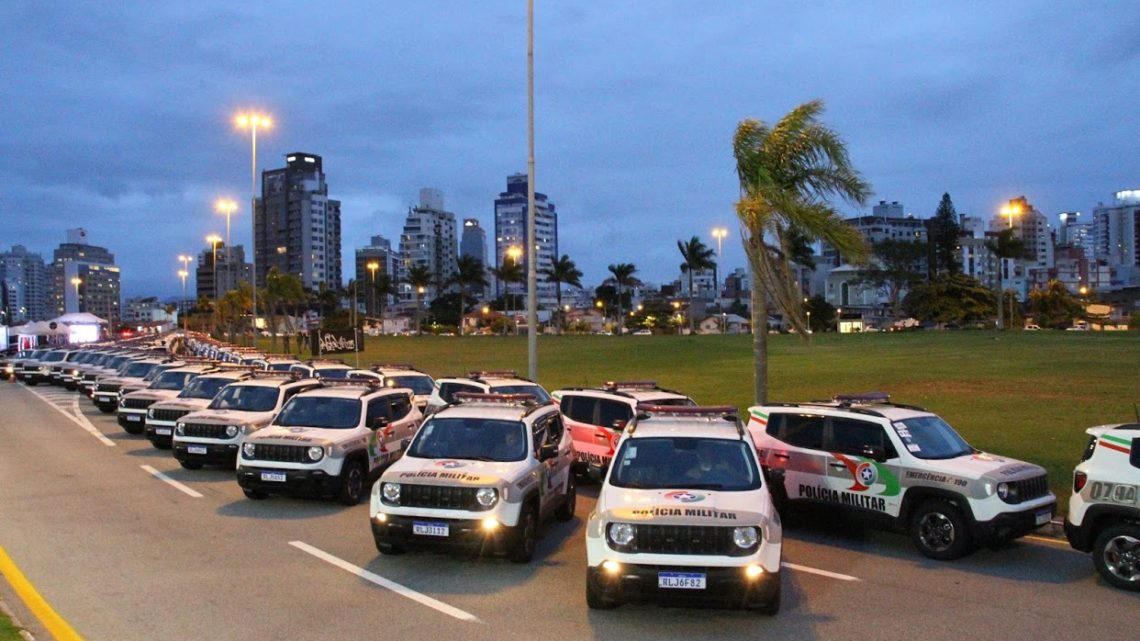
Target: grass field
x,y
1028,395
8,632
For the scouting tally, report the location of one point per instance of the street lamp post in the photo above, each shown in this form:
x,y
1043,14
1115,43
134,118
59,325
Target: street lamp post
x,y
227,207
76,281
838,319
1009,210
372,267
253,121
183,273
214,239
719,233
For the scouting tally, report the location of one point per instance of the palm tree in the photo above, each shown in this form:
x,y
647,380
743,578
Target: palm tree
x,y
382,288
469,271
787,174
562,271
419,277
509,271
697,257
623,276
232,308
273,295
1004,245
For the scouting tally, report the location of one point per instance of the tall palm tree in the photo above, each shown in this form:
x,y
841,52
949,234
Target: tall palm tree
x,y
623,276
382,288
509,271
562,271
697,257
469,271
420,278
1004,245
787,175
273,295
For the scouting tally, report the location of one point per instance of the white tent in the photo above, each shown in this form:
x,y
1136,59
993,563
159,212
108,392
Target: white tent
x,y
38,328
81,318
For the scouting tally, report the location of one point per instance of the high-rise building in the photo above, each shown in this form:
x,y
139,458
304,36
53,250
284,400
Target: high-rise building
x,y
510,237
23,287
429,240
214,280
85,279
474,244
378,251
887,222
296,225
1032,228
1116,233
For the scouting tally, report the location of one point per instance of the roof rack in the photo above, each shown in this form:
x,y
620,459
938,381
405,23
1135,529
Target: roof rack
x,y
325,361
355,381
501,373
521,400
269,373
870,398
725,412
404,366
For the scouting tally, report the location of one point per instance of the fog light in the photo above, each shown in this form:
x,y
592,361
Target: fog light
x,y
381,518
753,571
490,524
611,567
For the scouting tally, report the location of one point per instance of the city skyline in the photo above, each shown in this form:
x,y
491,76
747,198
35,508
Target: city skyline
x,y
635,109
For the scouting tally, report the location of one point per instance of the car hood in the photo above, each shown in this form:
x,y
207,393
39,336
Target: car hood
x,y
153,394
228,417
685,507
189,404
984,466
458,472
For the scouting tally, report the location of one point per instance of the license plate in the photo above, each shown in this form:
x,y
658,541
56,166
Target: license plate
x,y
134,417
1043,517
429,529
201,449
681,580
278,477
162,431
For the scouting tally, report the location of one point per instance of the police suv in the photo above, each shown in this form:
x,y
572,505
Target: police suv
x,y
684,514
481,475
328,441
484,382
1104,510
135,375
163,415
597,416
403,375
168,384
214,436
901,467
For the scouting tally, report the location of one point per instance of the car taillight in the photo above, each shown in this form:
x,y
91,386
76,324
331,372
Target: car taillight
x,y
1079,480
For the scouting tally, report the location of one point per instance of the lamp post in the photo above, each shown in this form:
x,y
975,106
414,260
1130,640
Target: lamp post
x,y
1010,210
183,273
253,121
214,239
515,253
600,304
76,281
419,304
719,233
228,207
372,267
838,319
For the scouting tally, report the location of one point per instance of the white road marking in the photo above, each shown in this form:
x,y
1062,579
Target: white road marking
x,y
385,583
78,418
178,486
832,575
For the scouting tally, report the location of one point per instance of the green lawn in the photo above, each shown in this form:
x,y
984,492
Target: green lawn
x,y
1028,395
8,632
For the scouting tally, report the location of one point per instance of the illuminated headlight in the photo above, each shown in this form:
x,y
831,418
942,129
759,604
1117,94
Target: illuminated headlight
x,y
232,431
315,453
745,537
1008,492
621,534
179,428
247,450
390,492
487,496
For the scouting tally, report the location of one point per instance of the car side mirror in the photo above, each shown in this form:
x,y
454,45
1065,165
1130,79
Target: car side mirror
x,y
875,453
405,444
548,451
378,423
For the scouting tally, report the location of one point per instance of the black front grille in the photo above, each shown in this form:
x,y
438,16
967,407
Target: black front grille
x,y
169,415
200,430
137,403
684,539
1029,489
440,497
107,387
280,453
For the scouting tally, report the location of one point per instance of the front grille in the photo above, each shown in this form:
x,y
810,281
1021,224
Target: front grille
x,y
280,453
107,387
137,403
169,415
200,430
1029,489
440,497
684,539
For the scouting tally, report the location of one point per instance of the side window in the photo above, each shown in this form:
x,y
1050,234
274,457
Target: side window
x,y
447,390
613,414
378,408
1134,459
400,407
554,430
579,408
540,433
803,430
849,436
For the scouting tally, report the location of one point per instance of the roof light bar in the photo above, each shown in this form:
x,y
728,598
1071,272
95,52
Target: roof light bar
x,y
403,366
501,373
631,385
863,397
718,411
503,399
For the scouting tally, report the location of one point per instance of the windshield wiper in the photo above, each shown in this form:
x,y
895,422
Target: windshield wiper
x,y
701,486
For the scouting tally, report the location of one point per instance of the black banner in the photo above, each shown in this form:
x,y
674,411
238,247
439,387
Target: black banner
x,y
325,341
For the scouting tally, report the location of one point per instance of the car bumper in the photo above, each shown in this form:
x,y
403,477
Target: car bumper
x,y
161,435
220,454
129,420
1011,525
299,482
724,586
105,402
463,535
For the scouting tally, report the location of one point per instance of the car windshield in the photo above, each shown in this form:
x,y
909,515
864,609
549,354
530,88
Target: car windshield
x,y
54,357
204,387
930,437
137,370
247,398
320,411
172,380
152,375
685,463
474,439
417,383
536,391
280,367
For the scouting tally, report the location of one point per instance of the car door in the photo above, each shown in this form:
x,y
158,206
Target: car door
x,y
404,421
381,437
554,472
579,413
862,469
792,452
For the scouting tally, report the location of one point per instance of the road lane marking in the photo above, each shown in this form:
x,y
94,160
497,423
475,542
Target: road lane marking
x,y
178,486
376,579
832,575
79,419
55,624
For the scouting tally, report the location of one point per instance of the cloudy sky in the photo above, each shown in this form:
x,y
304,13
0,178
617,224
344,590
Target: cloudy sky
x,y
117,116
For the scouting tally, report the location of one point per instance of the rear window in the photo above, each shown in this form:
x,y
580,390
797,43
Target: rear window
x,y
800,430
447,391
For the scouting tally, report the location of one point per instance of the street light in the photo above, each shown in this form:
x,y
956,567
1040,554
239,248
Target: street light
x,y
515,253
214,239
182,273
253,121
1011,210
838,318
719,233
76,281
372,267
227,207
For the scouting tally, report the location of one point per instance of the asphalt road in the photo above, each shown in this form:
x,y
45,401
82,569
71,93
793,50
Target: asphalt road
x,y
124,555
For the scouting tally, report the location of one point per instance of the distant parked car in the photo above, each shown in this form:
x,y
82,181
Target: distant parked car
x,y
1032,328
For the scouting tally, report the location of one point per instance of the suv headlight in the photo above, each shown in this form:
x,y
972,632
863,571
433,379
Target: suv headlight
x,y
315,453
745,537
247,450
232,431
179,428
1008,492
150,412
621,534
390,493
487,496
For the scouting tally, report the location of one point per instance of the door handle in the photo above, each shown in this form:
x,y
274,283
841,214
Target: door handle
x,y
838,465
780,455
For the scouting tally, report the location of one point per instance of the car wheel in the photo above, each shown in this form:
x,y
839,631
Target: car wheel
x,y
526,536
594,598
195,465
256,495
1116,555
566,510
351,484
939,531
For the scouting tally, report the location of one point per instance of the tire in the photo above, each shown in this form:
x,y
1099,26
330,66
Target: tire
x,y
351,483
771,607
595,600
256,495
195,465
1116,555
526,536
565,512
939,531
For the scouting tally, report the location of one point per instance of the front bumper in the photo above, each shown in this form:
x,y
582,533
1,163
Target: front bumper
x,y
128,419
297,482
463,535
724,586
1011,525
105,401
220,454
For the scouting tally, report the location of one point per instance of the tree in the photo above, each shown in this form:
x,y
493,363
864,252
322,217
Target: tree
x,y
420,278
469,271
950,299
382,288
942,238
1054,306
1004,245
697,257
787,174
623,277
821,314
562,271
232,308
509,271
894,269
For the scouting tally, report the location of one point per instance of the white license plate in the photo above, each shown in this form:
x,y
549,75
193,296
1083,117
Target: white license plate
x,y
134,417
162,431
429,529
201,449
681,580
1043,517
277,477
